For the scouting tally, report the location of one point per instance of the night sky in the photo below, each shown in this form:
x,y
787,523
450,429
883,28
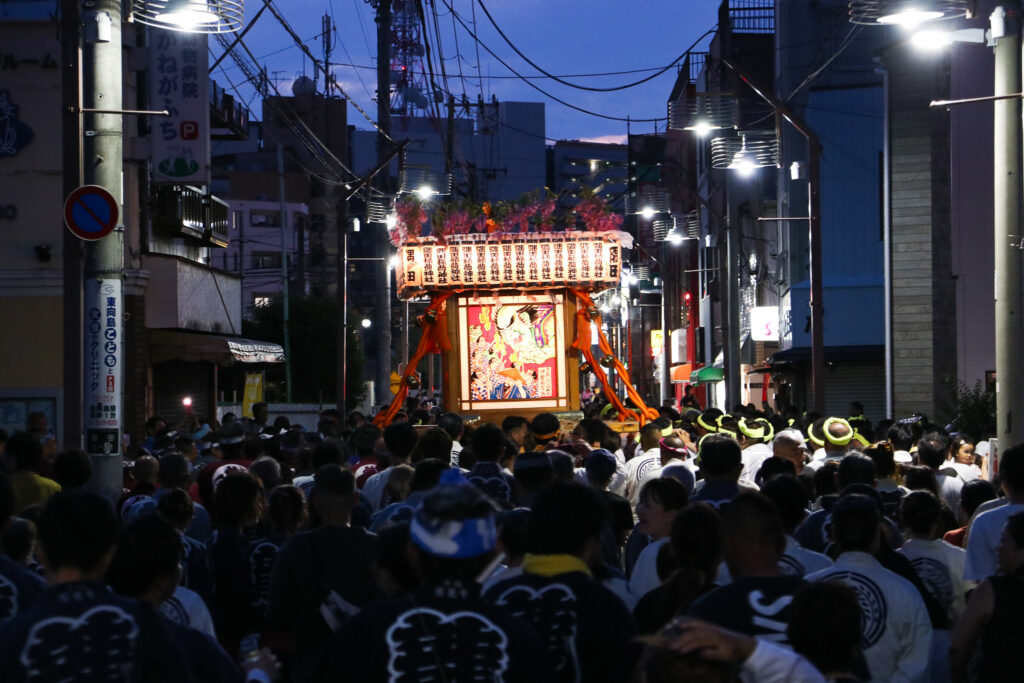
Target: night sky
x,y
565,37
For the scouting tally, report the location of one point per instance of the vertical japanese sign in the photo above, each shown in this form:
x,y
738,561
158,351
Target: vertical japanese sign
x,y
179,84
253,392
104,338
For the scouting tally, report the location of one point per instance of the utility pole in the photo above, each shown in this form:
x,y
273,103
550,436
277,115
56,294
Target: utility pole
x,y
1007,192
71,146
813,218
449,139
341,359
341,369
283,211
383,7
732,349
103,277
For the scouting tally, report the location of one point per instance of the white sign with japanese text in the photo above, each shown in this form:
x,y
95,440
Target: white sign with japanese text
x,y
103,371
178,82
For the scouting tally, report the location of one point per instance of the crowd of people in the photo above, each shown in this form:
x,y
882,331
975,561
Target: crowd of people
x,y
705,547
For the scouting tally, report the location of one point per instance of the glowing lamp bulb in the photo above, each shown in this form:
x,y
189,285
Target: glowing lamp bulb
x,y
647,212
187,14
366,323
909,17
702,128
424,192
743,163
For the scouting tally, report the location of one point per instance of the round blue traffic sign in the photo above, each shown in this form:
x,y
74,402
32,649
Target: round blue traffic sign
x,y
90,212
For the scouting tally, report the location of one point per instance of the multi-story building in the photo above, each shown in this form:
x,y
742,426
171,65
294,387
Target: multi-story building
x,y
576,165
752,242
255,252
181,313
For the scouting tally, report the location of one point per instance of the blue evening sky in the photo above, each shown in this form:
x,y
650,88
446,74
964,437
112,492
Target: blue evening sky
x,y
565,37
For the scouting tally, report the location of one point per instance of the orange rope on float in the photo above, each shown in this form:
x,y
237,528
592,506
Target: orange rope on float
x,y
434,339
590,313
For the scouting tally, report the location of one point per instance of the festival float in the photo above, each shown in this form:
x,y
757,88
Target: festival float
x,y
510,309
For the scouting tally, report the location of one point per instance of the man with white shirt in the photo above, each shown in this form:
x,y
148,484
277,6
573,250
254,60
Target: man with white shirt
x,y
902,437
939,564
453,424
984,532
589,435
400,439
836,435
788,444
644,463
896,631
752,436
932,452
516,428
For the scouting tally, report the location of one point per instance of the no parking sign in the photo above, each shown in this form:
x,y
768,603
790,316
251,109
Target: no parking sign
x,y
91,212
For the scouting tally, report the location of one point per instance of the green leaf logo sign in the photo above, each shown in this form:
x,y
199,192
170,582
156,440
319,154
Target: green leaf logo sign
x,y
178,167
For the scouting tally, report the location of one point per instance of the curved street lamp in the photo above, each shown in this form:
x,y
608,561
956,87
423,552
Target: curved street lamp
x,y
908,13
191,16
1005,34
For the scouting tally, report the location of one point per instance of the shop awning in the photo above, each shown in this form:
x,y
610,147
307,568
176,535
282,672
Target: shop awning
x,y
833,354
181,345
707,375
681,373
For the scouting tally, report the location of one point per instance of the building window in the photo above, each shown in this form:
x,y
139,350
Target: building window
x,y
264,218
260,301
266,259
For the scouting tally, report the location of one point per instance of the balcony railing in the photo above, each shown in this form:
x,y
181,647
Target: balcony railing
x,y
186,210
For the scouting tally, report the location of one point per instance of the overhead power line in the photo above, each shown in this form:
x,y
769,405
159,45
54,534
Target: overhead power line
x,y
557,79
537,87
329,78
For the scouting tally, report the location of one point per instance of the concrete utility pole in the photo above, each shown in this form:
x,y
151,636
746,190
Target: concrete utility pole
x,y
71,146
383,379
813,228
341,359
731,358
103,300
283,211
1007,192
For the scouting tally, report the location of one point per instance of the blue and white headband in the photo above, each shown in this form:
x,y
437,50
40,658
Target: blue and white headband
x,y
454,538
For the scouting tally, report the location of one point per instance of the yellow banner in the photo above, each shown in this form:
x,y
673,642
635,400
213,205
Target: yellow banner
x,y
253,392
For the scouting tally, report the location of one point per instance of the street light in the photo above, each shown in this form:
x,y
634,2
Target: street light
x,y
192,16
906,13
909,16
702,128
744,162
1005,35
366,323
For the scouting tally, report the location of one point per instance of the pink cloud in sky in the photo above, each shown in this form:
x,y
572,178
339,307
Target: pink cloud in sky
x,y
607,139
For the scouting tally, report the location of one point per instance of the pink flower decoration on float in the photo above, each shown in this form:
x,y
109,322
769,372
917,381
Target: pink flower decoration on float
x,y
410,218
545,211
